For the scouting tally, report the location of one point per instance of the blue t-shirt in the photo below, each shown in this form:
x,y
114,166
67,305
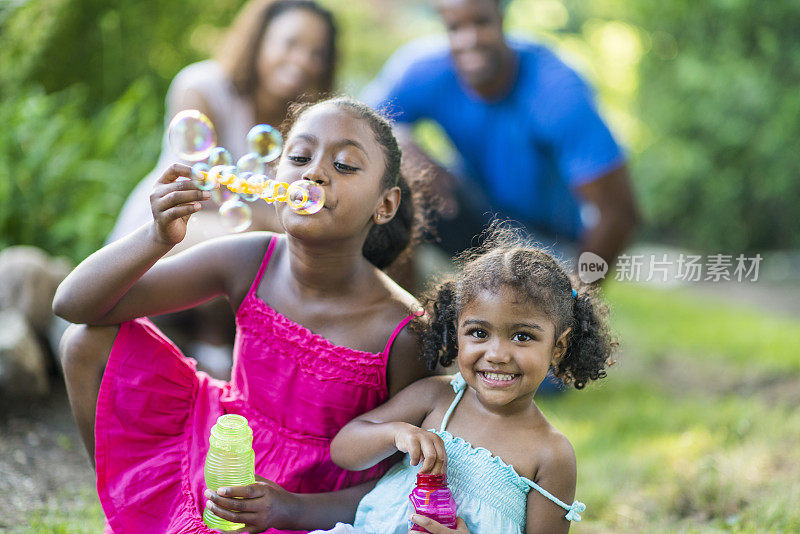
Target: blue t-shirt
x,y
526,150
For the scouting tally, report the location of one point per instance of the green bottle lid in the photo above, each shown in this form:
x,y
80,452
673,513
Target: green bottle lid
x,y
231,433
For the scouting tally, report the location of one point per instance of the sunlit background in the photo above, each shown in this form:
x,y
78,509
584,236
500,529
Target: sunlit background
x,y
695,430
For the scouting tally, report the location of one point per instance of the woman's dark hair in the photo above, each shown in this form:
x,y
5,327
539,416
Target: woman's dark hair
x,y
505,259
239,52
385,242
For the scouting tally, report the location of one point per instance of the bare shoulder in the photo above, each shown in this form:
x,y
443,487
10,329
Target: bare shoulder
x,y
555,466
239,257
556,473
395,305
556,451
242,249
403,301
431,390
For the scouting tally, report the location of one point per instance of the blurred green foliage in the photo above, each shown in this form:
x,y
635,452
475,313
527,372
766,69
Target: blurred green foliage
x,y
719,89
65,175
82,86
702,94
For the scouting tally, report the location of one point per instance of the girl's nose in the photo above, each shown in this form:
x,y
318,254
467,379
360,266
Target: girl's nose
x,y
315,173
497,353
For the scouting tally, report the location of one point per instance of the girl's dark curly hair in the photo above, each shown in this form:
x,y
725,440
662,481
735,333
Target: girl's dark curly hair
x,y
385,242
506,260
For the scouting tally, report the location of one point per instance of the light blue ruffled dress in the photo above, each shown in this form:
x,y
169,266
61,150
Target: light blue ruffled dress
x,y
490,495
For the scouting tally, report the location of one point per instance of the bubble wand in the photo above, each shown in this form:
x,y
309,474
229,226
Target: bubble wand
x,y
192,136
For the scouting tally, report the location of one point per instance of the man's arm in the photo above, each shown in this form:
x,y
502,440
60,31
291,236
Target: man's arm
x,y
418,164
613,196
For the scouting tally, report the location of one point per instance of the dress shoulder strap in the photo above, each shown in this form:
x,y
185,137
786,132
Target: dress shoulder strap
x,y
272,241
459,386
573,511
399,328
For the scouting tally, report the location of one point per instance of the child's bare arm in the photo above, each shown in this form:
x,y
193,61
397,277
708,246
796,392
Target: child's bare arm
x,y
558,475
394,426
123,280
266,505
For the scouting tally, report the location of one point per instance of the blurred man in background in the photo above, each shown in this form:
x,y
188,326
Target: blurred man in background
x,y
531,144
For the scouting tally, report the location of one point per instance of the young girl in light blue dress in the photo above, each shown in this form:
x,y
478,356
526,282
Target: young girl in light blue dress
x,y
508,316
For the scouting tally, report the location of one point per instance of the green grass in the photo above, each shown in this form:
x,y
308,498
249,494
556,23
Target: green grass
x,y
686,434
659,322
650,460
682,436
79,513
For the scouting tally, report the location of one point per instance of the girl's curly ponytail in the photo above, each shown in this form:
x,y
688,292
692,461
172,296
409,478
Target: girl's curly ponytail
x,y
590,346
440,339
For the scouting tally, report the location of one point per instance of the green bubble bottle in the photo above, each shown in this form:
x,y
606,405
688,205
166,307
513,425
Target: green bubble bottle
x,y
230,462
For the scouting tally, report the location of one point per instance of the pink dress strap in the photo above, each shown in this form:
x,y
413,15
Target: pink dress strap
x,y
272,241
399,328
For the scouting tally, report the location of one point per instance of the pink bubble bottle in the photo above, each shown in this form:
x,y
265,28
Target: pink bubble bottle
x,y
432,498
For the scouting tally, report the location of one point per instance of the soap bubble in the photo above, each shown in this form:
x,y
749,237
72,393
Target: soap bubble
x,y
266,141
191,135
227,175
250,162
305,197
236,215
220,156
268,191
215,172
202,178
221,195
280,192
243,187
236,185
253,187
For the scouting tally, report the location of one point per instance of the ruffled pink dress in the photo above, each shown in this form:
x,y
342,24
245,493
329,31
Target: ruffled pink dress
x,y
155,412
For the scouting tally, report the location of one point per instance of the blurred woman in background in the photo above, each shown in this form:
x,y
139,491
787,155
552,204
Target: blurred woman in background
x,y
276,52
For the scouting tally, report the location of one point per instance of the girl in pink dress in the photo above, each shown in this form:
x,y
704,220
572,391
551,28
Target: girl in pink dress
x,y
320,337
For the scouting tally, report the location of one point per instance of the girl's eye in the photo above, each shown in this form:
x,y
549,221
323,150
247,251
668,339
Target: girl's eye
x,y
478,333
522,337
344,167
298,159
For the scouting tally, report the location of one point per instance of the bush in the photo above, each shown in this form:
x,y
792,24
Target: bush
x,y
716,102
67,174
83,85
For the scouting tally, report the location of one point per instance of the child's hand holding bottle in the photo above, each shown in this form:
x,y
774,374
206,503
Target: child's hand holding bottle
x,y
422,445
258,506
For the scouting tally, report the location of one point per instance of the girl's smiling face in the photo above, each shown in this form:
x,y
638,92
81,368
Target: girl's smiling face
x,y
505,348
333,148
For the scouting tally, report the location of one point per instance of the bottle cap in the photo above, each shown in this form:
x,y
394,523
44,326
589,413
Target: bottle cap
x,y
231,433
428,480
